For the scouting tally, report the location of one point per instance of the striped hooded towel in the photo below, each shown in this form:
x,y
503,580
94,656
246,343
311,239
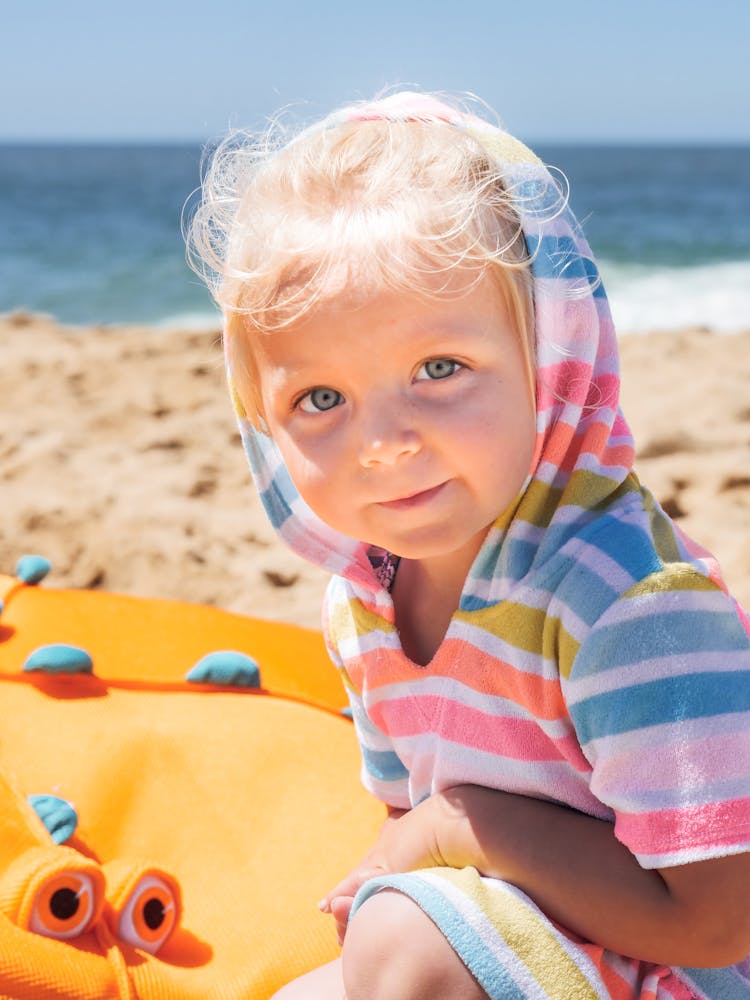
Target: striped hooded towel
x,y
595,658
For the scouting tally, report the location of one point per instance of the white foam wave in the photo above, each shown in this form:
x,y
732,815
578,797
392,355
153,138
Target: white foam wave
x,y
193,322
716,296
642,298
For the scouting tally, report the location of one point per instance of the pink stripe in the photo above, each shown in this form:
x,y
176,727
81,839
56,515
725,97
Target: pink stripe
x,y
517,739
722,824
720,757
540,696
569,379
620,426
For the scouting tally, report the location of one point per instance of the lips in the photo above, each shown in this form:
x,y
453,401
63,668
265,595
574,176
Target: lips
x,y
413,500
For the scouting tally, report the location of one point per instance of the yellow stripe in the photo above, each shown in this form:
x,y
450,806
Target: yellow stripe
x,y
527,933
239,409
661,530
568,650
505,148
539,503
681,576
350,619
526,625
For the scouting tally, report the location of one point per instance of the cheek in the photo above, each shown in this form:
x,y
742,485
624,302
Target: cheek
x,y
314,473
498,440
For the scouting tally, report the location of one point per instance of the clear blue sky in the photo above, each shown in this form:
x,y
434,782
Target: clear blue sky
x,y
653,70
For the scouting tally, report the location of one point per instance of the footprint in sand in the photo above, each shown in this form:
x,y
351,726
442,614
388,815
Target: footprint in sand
x,y
166,444
277,579
202,488
735,483
671,444
671,505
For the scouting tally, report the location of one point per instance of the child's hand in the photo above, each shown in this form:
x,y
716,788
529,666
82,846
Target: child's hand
x,y
406,842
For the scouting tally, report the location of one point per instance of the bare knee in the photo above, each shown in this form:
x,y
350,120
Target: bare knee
x,y
324,983
393,951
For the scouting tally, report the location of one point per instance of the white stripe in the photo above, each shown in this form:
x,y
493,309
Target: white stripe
x,y
682,733
612,574
655,669
435,765
448,689
492,939
355,645
499,648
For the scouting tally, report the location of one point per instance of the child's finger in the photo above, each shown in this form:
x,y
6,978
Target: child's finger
x,y
341,908
348,886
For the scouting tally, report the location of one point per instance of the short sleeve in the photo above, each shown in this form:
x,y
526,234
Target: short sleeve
x,y
659,694
383,773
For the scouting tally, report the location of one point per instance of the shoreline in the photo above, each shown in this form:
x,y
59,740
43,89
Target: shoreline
x,y
120,461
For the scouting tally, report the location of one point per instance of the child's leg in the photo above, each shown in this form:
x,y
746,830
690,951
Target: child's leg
x,y
393,951
324,983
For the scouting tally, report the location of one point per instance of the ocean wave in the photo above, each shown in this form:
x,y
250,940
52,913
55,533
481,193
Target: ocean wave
x,y
194,322
642,299
715,296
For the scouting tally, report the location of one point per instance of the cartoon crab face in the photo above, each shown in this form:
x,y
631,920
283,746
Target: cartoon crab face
x,y
216,786
57,893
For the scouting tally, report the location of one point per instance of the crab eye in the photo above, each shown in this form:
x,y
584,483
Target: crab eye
x,y
149,915
63,906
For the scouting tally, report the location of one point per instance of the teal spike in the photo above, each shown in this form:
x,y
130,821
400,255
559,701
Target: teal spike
x,y
32,569
58,815
60,658
347,712
225,667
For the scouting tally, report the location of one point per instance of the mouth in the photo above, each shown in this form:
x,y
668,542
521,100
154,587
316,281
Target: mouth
x,y
413,500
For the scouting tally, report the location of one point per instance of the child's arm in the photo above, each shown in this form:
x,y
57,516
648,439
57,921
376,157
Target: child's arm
x,y
572,866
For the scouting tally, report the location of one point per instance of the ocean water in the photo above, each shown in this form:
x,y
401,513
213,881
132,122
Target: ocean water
x,y
91,234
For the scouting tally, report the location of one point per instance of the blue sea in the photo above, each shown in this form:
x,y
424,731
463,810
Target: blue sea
x,y
91,234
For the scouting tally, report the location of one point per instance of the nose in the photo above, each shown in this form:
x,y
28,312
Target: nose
x,y
387,434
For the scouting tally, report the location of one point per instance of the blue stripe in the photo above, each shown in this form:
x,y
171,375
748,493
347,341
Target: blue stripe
x,y
484,965
559,257
626,544
275,506
383,765
668,633
538,196
727,983
583,591
655,703
519,555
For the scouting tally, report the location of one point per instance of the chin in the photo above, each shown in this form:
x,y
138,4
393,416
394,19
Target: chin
x,y
440,547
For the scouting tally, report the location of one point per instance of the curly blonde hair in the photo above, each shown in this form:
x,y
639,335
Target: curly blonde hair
x,y
373,204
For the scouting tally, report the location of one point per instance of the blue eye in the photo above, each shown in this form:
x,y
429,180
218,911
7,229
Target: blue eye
x,y
321,399
438,368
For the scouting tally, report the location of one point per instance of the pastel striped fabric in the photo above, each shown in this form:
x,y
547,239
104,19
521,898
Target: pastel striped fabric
x,y
515,953
595,658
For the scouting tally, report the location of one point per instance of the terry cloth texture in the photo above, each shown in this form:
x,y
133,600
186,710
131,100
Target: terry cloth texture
x,y
197,841
595,659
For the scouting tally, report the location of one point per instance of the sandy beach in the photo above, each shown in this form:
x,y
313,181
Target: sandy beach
x,y
120,461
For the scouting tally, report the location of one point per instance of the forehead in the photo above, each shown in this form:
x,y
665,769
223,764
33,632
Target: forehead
x,y
372,327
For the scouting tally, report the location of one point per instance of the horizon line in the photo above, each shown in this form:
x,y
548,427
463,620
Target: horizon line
x,y
151,140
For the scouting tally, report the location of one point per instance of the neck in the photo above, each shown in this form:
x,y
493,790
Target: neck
x,y
426,593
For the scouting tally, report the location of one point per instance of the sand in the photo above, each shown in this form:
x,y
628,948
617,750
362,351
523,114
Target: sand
x,y
120,461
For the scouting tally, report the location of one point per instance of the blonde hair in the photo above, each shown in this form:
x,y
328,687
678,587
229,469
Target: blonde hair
x,y
363,205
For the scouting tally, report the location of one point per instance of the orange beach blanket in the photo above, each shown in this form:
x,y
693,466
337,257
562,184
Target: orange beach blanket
x,y
178,787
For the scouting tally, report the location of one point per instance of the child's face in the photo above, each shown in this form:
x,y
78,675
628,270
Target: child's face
x,y
407,422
